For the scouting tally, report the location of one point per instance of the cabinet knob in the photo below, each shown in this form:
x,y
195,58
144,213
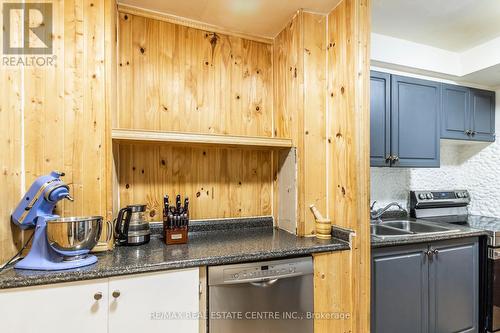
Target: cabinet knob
x,y
473,133
468,132
395,158
428,254
98,296
435,252
116,294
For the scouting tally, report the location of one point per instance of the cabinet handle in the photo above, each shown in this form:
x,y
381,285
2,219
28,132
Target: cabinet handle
x,y
428,254
473,133
435,252
395,158
468,132
388,159
98,296
116,294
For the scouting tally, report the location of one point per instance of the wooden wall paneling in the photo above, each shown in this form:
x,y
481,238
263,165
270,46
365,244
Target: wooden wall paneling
x,y
220,182
190,23
288,111
315,116
334,267
348,84
110,61
65,109
177,78
11,147
300,108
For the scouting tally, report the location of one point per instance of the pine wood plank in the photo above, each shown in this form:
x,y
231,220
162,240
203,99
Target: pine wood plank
x,y
178,78
199,139
220,182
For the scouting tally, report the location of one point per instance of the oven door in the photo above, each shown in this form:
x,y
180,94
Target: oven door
x,y
493,289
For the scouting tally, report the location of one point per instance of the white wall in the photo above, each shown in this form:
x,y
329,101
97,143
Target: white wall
x,y
471,166
410,56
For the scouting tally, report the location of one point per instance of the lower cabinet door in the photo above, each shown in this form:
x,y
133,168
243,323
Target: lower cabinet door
x,y
454,287
399,290
79,307
153,303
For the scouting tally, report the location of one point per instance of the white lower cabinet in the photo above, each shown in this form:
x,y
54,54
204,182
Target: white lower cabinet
x,y
59,308
154,303
157,302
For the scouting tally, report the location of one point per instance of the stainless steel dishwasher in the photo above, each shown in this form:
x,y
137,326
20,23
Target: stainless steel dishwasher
x,y
273,296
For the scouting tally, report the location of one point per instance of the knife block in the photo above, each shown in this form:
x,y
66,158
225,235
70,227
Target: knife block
x,y
175,235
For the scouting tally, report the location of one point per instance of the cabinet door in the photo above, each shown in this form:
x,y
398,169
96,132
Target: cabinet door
x,y
415,113
380,118
455,114
454,287
482,115
399,290
154,303
59,308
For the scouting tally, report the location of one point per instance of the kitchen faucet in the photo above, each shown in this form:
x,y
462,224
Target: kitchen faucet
x,y
376,214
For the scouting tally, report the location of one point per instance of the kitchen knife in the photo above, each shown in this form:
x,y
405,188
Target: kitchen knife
x,y
178,203
165,206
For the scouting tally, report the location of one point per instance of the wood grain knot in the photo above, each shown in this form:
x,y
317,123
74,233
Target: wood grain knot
x,y
163,162
343,190
323,276
152,213
338,135
257,108
143,50
127,186
198,194
342,90
125,17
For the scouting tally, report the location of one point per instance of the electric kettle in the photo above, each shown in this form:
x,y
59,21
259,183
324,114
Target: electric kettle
x,y
130,226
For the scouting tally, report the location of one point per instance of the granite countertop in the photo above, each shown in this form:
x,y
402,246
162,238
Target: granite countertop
x,y
214,247
462,232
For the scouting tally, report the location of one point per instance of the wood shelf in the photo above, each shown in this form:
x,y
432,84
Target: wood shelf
x,y
199,139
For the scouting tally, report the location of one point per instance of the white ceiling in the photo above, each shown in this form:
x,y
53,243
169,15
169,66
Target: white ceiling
x,y
454,25
265,18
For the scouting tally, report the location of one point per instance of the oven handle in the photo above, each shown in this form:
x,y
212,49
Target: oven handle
x,y
494,254
264,284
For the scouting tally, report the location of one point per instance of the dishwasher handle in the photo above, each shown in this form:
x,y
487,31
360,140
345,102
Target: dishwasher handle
x,y
264,284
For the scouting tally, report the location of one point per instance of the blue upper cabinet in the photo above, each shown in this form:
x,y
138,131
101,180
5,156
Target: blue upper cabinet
x,y
467,114
380,119
404,119
482,109
415,119
455,114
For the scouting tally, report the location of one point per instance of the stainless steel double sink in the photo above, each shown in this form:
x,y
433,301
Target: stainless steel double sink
x,y
406,228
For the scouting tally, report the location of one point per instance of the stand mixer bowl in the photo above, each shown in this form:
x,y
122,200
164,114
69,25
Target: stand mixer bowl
x,y
74,237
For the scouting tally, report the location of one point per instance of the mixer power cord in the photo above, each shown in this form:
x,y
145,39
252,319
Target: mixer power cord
x,y
17,254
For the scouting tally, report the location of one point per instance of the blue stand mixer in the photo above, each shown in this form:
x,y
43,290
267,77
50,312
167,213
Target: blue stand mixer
x,y
48,251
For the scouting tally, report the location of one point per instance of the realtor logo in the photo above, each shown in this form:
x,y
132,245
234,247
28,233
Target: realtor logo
x,y
27,28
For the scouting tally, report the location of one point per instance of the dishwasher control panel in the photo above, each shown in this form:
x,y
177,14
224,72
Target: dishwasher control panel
x,y
261,271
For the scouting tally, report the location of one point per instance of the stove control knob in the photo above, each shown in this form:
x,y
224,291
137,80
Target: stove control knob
x,y
429,195
422,196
